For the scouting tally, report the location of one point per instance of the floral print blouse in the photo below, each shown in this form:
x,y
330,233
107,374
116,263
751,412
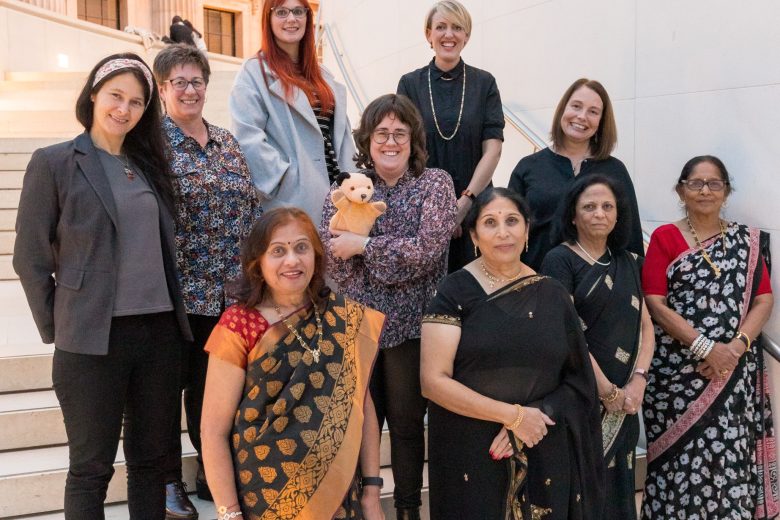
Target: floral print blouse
x,y
406,256
216,205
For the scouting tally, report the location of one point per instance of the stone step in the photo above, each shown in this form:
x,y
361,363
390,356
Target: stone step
x,y
7,219
25,373
32,481
14,160
47,123
9,199
6,269
11,179
25,144
30,420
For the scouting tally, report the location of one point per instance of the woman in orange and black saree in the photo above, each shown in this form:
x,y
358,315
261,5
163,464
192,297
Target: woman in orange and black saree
x,y
513,424
289,428
711,445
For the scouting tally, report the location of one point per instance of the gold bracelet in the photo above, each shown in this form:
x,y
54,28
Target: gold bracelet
x,y
612,397
745,339
518,419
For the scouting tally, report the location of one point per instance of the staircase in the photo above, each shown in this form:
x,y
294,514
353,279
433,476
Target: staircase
x,y
36,110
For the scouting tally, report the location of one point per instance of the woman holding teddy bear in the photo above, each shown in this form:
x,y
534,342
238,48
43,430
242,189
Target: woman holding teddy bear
x,y
395,269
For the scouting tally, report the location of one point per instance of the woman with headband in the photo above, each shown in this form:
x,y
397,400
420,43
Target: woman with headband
x,y
95,254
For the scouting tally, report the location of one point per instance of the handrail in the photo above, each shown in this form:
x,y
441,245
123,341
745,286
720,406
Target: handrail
x,y
523,128
343,68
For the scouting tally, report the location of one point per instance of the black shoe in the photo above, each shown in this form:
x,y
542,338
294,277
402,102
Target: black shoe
x,y
201,486
177,503
412,513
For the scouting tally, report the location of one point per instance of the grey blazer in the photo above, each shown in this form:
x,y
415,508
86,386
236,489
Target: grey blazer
x,y
66,247
282,142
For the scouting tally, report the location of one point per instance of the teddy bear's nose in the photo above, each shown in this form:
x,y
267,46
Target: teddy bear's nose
x,y
363,196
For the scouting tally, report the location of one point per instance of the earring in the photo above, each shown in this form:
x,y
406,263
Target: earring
x,y
725,204
476,251
681,203
526,243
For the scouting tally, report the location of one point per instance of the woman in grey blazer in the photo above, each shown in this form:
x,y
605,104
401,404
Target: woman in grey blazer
x,y
95,254
289,114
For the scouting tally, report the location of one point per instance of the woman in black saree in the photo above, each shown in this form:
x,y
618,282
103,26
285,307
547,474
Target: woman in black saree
x,y
711,446
604,281
513,424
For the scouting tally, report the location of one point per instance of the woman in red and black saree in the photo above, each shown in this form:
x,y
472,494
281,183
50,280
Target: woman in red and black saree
x,y
513,422
289,429
711,446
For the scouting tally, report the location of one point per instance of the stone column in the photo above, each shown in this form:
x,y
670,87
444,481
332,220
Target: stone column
x,y
164,10
58,6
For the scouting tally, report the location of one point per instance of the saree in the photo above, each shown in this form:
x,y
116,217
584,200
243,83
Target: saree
x,y
298,428
521,344
711,444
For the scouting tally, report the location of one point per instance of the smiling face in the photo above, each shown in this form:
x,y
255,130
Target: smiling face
x,y
288,32
595,213
187,104
500,232
703,202
117,107
582,115
391,159
447,39
288,264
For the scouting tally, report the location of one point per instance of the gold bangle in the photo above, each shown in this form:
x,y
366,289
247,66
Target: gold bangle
x,y
613,395
518,419
745,339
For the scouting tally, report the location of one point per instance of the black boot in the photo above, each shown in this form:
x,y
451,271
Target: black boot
x,y
201,486
412,513
177,503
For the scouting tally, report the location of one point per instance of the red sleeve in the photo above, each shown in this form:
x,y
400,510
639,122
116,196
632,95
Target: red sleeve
x,y
765,287
666,243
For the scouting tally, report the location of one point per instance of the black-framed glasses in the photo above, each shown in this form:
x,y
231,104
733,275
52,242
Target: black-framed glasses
x,y
284,12
181,83
382,136
698,184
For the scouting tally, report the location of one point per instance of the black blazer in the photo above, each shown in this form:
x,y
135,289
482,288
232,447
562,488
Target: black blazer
x,y
66,247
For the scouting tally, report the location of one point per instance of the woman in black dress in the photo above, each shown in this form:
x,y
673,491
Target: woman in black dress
x,y
461,109
604,281
513,421
583,137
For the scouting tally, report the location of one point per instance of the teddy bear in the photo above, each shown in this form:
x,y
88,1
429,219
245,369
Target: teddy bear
x,y
354,210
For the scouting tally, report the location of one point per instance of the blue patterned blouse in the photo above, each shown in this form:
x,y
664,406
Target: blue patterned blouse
x,y
216,205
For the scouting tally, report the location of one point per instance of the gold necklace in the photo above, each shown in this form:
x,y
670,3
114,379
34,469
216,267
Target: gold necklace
x,y
433,109
315,354
493,280
704,253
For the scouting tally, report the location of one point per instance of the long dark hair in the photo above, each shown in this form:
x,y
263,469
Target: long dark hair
x,y
567,231
144,145
249,289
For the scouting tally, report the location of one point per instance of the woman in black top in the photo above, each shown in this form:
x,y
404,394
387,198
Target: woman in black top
x,y
461,109
583,137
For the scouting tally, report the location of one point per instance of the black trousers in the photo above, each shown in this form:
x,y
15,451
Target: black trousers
x,y
395,389
138,380
193,382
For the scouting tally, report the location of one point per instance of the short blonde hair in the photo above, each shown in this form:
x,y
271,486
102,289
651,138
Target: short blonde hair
x,y
454,11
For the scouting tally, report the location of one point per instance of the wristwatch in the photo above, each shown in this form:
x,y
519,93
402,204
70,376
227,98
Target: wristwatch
x,y
641,372
372,481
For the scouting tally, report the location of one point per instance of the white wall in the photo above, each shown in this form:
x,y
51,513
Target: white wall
x,y
686,78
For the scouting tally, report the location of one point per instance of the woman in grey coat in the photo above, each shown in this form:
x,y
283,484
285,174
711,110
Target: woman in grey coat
x,y
289,115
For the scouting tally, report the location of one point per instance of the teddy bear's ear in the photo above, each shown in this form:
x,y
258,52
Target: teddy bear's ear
x,y
341,177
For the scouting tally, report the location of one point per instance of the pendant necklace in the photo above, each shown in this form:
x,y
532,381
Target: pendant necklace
x,y
433,109
315,353
493,280
126,165
593,259
704,253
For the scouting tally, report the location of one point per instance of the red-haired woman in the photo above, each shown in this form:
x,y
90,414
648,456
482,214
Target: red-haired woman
x,y
289,115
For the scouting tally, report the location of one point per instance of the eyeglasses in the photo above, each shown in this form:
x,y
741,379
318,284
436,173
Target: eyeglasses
x,y
698,185
284,12
382,136
181,83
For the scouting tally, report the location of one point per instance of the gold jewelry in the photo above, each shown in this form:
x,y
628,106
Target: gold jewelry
x,y
518,420
433,109
744,338
493,280
613,395
704,253
316,352
129,173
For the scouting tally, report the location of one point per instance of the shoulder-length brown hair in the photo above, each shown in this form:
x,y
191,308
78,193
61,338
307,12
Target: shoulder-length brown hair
x,y
396,106
604,140
250,288
306,74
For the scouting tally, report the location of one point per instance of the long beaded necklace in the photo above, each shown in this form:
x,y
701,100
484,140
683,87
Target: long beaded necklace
x,y
493,280
433,109
593,259
315,353
704,253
